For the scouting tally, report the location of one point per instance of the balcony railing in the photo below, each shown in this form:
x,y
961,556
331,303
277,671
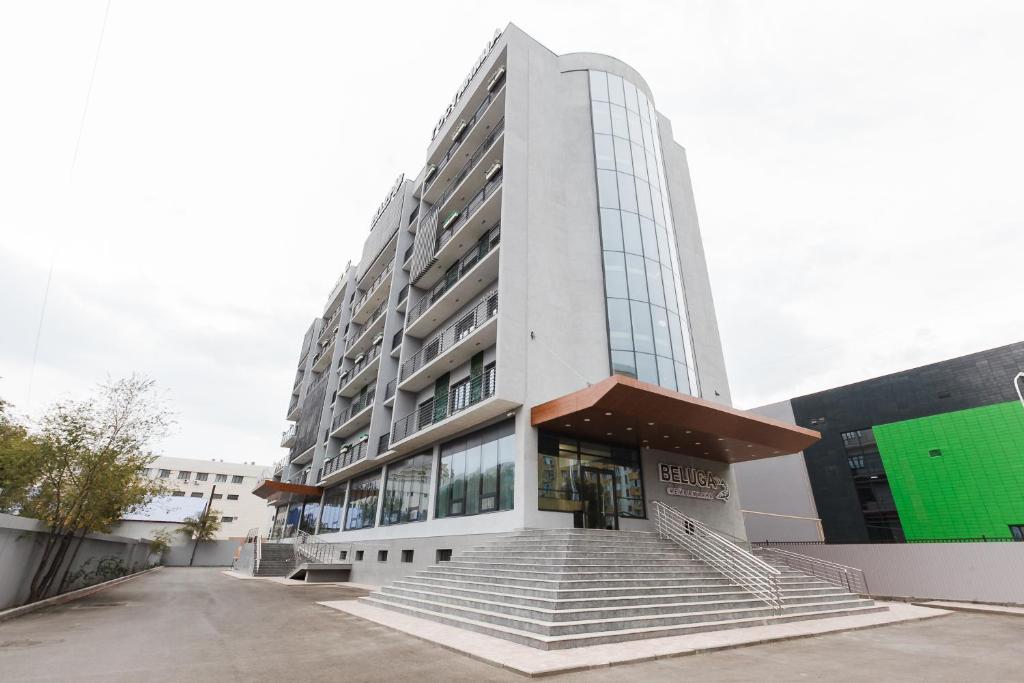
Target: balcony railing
x,y
456,273
377,313
377,281
382,443
348,455
461,396
389,388
451,335
366,359
484,147
293,404
358,406
450,154
288,435
448,231
402,293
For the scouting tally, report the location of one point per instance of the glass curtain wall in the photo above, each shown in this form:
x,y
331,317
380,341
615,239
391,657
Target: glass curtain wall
x,y
561,462
477,472
407,490
310,511
363,492
647,326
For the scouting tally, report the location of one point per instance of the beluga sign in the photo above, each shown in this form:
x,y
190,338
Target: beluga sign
x,y
693,482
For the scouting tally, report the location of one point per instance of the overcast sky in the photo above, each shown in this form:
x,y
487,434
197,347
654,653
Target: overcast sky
x,y
857,170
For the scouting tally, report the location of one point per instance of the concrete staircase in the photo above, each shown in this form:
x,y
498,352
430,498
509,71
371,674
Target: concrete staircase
x,y
564,588
278,559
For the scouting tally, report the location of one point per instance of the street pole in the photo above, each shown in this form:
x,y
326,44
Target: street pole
x,y
206,515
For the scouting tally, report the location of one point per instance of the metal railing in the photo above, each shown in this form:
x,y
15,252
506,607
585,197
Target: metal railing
x,y
310,549
374,316
253,536
383,442
741,567
358,367
402,293
447,231
850,578
455,274
288,434
450,154
451,335
359,405
461,396
354,454
377,281
389,388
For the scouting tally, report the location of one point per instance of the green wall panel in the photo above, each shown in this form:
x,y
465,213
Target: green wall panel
x,y
975,488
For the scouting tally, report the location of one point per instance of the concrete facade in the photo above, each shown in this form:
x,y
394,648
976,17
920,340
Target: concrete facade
x,y
392,342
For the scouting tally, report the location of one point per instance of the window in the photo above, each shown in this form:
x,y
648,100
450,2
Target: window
x,y
477,472
202,476
330,517
197,494
1017,531
237,479
382,555
406,490
178,494
362,502
459,396
220,478
443,555
217,496
184,476
164,474
359,556
935,453
559,479
406,556
232,496
225,518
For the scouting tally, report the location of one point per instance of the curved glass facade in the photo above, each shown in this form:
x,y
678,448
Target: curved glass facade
x,y
648,332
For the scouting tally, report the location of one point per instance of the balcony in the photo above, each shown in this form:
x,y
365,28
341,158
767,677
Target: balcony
x,y
479,215
469,403
463,281
304,457
353,418
288,437
349,455
293,409
486,117
322,359
356,377
389,391
376,294
474,331
403,298
365,338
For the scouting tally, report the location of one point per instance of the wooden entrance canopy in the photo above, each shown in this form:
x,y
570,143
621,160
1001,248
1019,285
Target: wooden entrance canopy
x,y
278,492
627,412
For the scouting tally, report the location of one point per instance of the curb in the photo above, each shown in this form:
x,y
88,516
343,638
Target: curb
x,y
15,612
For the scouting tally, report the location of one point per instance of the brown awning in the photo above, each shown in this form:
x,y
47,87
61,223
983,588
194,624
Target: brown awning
x,y
627,412
282,492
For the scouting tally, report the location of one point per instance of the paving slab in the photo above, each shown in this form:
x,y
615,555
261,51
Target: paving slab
x,y
534,662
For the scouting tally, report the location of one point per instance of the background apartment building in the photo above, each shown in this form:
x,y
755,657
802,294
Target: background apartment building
x,y
194,483
528,334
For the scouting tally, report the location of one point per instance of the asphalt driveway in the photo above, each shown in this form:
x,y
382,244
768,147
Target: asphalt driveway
x,y
197,624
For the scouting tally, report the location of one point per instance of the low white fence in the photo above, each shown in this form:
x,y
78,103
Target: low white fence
x,y
972,572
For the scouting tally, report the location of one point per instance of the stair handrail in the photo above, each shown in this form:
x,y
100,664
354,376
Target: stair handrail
x,y
309,548
253,536
852,579
738,565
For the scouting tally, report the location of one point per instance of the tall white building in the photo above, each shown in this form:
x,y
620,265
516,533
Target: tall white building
x,y
528,339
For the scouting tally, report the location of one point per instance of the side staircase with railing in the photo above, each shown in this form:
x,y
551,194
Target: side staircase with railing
x,y
565,588
316,560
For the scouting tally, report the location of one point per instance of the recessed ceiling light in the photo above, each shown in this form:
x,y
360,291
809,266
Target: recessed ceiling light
x,y
609,434
721,439
664,436
607,413
586,419
696,443
687,431
629,429
650,424
677,446
568,425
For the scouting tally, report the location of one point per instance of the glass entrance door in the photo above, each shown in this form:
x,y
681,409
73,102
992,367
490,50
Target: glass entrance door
x,y
597,498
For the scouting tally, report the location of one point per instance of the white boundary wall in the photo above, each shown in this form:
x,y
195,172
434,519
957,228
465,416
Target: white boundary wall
x,y
972,572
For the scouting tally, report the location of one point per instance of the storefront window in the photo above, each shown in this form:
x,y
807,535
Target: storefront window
x,y
477,472
330,518
407,490
310,511
563,461
362,502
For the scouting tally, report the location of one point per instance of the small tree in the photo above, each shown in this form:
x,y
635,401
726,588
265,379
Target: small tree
x,y
160,543
87,470
19,453
202,527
